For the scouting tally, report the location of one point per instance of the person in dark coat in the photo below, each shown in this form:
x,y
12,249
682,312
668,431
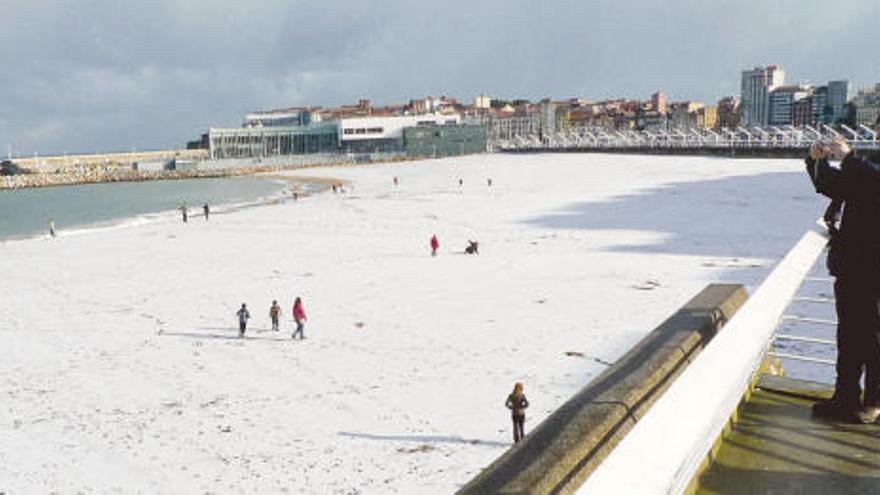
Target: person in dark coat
x,y
243,316
517,403
207,210
854,261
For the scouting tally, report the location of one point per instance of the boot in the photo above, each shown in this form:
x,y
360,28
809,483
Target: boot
x,y
837,409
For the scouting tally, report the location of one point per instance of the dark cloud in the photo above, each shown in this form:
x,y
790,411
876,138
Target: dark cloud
x,y
106,75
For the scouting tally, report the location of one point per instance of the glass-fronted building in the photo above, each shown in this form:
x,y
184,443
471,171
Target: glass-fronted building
x,y
254,142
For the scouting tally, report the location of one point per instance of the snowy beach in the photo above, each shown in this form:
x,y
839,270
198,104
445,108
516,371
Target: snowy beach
x,y
121,369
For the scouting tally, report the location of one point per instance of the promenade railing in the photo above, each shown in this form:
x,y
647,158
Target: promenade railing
x,y
664,451
783,137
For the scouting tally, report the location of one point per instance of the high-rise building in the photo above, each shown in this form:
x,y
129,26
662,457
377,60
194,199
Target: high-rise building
x,y
756,86
781,104
820,111
838,97
658,102
803,111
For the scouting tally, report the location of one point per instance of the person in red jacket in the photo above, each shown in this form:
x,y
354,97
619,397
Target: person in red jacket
x,y
435,245
299,316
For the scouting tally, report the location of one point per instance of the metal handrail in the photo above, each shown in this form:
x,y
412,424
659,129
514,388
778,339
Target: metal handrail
x,y
800,338
797,357
806,319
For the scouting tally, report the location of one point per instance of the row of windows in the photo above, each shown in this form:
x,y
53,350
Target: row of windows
x,y
364,130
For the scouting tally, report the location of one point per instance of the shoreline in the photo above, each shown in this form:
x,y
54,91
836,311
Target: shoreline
x,y
288,185
35,181
99,176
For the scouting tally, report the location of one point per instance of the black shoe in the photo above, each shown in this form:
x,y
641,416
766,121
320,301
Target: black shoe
x,y
836,410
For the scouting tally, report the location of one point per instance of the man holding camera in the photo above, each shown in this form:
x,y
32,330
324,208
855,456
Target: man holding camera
x,y
854,261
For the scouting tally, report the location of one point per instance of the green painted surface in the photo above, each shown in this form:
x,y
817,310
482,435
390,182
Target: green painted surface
x,y
777,447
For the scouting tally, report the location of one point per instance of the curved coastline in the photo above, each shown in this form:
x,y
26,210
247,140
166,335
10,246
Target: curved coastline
x,y
303,186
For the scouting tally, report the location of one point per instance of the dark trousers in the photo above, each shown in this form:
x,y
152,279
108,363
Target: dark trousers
x,y
242,326
299,330
275,323
518,429
858,341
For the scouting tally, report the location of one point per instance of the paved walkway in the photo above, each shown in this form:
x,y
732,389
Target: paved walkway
x,y
776,447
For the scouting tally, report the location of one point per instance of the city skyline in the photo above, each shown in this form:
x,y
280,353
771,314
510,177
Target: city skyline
x,y
97,76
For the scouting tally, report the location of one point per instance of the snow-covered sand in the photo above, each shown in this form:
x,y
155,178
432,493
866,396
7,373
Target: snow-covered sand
x,y
119,366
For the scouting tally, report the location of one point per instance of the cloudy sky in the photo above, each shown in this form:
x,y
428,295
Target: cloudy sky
x,y
102,75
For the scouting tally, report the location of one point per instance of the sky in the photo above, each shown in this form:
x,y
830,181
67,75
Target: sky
x,y
109,75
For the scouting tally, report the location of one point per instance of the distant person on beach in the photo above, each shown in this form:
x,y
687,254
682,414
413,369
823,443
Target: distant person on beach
x,y
435,245
243,316
854,261
489,181
183,211
275,314
517,403
207,210
299,316
460,182
52,228
334,188
295,195
395,181
473,247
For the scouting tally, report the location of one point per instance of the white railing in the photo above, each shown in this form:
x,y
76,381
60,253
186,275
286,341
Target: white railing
x,y
734,139
664,450
803,339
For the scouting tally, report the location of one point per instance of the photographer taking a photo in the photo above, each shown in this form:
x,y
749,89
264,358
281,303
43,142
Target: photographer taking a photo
x,y
854,261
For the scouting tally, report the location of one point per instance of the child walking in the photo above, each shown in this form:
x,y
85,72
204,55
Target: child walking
x,y
299,316
275,314
517,403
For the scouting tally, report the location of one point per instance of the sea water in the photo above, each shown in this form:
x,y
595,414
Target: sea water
x,y
27,212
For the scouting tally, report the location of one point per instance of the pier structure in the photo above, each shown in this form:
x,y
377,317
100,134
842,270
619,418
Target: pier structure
x,y
742,140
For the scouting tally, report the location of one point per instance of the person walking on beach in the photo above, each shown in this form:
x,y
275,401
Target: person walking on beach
x,y
243,316
854,261
299,316
207,210
52,227
395,181
517,403
275,314
435,245
184,212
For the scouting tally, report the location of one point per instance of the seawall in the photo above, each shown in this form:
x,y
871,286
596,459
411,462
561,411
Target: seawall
x,y
570,443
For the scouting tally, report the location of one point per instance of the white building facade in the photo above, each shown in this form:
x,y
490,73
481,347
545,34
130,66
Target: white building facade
x,y
385,134
756,86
